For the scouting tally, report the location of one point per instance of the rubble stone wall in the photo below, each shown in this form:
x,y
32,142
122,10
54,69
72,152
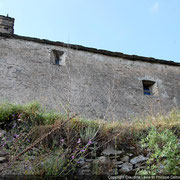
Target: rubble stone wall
x,y
91,84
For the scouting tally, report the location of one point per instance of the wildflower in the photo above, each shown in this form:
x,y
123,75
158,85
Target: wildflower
x,y
15,136
62,140
79,141
0,134
3,144
82,150
19,117
90,142
72,157
80,161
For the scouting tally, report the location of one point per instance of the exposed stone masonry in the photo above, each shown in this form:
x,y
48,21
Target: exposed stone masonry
x,y
6,24
93,83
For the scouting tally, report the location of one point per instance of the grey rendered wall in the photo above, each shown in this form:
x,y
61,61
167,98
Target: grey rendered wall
x,y
93,85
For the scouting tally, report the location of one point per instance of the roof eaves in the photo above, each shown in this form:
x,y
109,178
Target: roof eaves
x,y
94,50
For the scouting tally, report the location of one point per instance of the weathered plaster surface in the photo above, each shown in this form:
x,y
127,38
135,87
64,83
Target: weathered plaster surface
x,y
91,84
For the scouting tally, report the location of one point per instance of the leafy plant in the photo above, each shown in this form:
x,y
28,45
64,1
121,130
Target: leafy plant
x,y
165,156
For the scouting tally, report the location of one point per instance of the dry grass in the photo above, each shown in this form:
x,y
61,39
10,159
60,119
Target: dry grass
x,y
106,132
47,129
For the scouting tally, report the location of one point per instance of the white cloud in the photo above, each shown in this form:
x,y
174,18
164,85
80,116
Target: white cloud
x,y
155,7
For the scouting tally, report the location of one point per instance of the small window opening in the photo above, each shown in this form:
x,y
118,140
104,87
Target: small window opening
x,y
59,57
6,28
149,87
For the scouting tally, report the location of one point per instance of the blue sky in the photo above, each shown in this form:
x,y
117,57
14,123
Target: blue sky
x,y
142,27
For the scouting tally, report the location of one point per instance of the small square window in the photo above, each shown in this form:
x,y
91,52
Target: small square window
x,y
148,87
58,58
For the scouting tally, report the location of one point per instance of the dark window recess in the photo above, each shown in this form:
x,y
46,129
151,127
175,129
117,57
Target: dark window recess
x,y
147,90
57,57
148,87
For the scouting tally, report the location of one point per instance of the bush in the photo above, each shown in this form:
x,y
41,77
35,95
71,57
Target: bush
x,y
31,113
165,156
8,111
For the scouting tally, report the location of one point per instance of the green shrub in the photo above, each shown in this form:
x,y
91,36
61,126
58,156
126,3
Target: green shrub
x,y
31,113
7,111
165,153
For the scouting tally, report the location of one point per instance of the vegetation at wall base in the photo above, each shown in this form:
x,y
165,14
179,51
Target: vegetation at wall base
x,y
37,142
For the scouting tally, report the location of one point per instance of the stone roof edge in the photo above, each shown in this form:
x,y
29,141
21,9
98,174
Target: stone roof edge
x,y
7,17
94,50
